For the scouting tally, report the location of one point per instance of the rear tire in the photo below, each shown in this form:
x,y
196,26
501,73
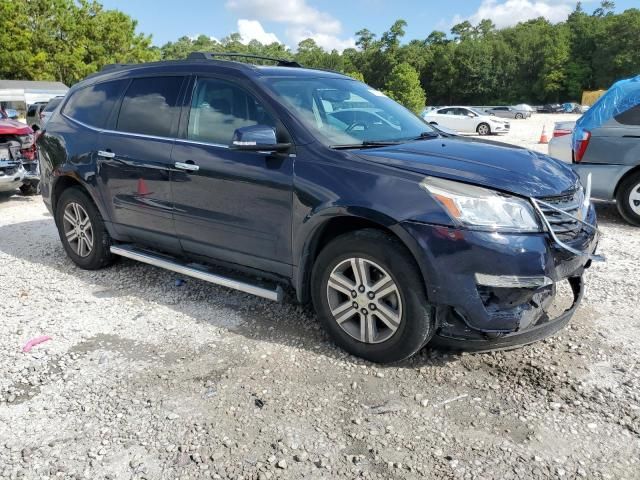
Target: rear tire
x,y
519,116
82,230
628,199
383,318
483,129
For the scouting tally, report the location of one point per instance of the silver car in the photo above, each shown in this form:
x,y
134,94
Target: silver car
x,y
508,112
611,154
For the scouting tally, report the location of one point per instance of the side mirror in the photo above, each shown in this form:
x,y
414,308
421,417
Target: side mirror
x,y
471,115
257,138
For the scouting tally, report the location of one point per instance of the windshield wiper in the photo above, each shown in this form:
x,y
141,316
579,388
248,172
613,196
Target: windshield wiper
x,y
367,144
427,134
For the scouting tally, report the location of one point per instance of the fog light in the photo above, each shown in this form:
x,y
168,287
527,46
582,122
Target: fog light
x,y
512,281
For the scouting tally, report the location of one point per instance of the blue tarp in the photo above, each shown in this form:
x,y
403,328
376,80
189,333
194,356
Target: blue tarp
x,y
622,96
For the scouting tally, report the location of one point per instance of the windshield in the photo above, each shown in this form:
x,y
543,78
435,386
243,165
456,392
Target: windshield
x,y
346,112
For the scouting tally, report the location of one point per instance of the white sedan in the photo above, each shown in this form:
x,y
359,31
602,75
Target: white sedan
x,y
467,120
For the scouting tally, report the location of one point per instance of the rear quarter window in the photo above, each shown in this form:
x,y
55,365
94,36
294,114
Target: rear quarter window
x,y
629,117
92,105
150,106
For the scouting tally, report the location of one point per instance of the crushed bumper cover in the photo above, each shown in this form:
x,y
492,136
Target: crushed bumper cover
x,y
492,290
456,335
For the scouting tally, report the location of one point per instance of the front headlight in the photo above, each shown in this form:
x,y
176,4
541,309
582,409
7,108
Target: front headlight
x,y
482,208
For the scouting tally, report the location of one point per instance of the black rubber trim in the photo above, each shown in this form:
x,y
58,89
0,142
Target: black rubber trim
x,y
515,339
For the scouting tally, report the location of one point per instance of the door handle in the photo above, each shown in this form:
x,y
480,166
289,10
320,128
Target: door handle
x,y
106,154
189,167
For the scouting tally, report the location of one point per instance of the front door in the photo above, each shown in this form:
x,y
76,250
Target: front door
x,y
136,165
230,205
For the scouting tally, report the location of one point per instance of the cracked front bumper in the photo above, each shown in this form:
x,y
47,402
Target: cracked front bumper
x,y
498,288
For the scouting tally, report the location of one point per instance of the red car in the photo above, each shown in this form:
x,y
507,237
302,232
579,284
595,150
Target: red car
x,y
18,158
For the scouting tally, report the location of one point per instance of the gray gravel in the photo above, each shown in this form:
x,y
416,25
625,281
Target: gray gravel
x,y
144,379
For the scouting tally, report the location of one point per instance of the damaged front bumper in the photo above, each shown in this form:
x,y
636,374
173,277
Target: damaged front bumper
x,y
496,290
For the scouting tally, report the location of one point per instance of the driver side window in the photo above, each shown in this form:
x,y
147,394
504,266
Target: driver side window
x,y
218,108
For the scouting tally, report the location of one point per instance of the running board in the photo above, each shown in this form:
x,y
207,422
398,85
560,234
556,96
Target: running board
x,y
169,263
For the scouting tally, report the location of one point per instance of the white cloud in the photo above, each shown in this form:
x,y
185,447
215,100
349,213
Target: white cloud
x,y
301,20
509,12
253,30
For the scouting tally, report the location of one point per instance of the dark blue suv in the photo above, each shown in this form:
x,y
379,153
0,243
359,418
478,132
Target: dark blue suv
x,y
396,231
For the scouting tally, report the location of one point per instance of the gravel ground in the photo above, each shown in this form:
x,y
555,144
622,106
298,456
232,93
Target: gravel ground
x,y
146,379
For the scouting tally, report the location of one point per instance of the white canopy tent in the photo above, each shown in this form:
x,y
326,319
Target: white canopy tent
x,y
30,92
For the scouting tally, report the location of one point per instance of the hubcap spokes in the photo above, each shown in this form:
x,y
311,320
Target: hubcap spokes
x,y
364,300
77,229
634,199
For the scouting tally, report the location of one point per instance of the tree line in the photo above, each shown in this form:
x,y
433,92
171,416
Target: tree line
x,y
534,61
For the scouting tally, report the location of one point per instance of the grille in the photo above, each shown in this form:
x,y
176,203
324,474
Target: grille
x,y
564,226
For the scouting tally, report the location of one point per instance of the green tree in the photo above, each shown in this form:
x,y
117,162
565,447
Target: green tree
x,y
404,87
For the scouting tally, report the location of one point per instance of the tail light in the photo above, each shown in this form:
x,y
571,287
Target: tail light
x,y
581,146
561,132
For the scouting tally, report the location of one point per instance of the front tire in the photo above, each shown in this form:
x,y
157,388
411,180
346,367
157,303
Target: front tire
x,y
519,116
369,296
483,129
628,199
82,230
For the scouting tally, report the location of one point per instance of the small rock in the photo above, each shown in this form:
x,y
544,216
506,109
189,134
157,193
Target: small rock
x,y
282,464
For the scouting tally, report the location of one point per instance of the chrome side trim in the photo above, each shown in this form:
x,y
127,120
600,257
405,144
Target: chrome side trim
x,y
512,281
158,261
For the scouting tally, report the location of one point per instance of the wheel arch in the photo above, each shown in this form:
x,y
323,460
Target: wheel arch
x,y
331,226
634,171
64,182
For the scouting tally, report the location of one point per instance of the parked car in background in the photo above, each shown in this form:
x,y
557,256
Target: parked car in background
x,y
34,115
508,112
48,110
604,143
18,158
560,143
550,108
395,232
467,120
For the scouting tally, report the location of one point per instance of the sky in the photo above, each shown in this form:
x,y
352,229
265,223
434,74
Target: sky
x,y
331,23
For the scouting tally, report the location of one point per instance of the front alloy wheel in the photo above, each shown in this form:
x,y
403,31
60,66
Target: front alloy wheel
x,y
483,129
370,297
364,300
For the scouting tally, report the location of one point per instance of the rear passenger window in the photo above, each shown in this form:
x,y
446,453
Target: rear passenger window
x,y
150,106
93,105
218,108
630,117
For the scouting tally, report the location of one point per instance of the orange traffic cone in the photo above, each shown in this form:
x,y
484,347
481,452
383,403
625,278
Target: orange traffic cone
x,y
543,136
142,187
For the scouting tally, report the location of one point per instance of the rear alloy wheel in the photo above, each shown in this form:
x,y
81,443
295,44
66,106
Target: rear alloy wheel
x,y
519,116
369,296
483,129
82,230
628,199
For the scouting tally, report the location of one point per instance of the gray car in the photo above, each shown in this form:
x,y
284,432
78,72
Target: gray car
x,y
508,112
611,154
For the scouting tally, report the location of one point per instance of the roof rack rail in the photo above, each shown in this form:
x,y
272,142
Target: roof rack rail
x,y
281,62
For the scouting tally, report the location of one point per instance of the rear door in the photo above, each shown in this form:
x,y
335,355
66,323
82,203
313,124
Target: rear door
x,y
446,117
135,161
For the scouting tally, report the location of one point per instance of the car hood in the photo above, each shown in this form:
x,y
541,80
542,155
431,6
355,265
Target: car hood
x,y
13,127
494,165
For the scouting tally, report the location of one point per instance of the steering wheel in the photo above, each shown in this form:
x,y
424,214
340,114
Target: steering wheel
x,y
356,124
